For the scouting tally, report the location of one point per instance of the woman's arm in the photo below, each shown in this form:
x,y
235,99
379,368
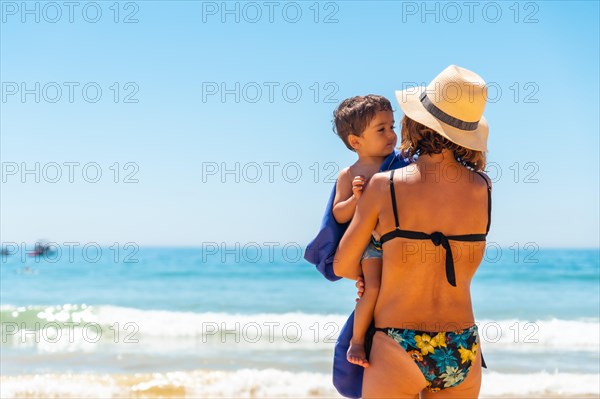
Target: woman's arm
x,y
346,262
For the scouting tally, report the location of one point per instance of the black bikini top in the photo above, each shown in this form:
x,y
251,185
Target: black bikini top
x,y
437,238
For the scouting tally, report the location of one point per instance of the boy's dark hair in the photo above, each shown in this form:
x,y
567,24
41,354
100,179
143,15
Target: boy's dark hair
x,y
354,115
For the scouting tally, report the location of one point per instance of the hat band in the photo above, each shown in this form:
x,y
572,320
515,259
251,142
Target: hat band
x,y
444,117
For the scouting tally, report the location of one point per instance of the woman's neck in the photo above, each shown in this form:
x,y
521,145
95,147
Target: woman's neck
x,y
444,158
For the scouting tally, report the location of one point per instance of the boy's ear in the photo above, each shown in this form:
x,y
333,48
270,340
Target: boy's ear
x,y
353,140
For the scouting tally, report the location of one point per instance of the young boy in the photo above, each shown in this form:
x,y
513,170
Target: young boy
x,y
366,126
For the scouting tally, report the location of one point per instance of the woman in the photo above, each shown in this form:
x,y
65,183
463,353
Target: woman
x,y
433,216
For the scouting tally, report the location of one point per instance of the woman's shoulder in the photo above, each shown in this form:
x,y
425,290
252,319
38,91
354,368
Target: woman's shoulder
x,y
380,177
399,175
382,180
484,178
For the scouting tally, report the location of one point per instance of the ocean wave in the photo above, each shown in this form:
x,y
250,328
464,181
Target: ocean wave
x,y
265,383
54,328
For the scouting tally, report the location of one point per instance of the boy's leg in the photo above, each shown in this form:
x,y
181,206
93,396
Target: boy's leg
x,y
363,314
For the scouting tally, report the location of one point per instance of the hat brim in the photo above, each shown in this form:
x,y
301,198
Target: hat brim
x,y
410,103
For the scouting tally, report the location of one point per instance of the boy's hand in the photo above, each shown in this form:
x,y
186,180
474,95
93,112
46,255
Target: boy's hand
x,y
357,186
360,284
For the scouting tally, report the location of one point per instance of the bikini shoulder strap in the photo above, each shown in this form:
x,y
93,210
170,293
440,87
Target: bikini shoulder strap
x,y
489,186
393,193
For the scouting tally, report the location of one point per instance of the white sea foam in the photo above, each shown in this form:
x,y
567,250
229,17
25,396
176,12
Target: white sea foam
x,y
80,325
266,383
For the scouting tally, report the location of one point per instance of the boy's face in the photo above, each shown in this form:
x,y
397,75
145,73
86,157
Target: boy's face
x,y
379,138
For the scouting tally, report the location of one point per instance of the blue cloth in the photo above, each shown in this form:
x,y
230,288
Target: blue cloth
x,y
347,377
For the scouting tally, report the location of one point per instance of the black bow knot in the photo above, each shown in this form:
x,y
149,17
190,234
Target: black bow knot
x,y
440,239
437,238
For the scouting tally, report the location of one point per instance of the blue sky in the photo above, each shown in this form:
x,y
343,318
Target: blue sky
x,y
171,129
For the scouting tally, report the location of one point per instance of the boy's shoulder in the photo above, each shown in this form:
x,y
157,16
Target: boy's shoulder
x,y
345,174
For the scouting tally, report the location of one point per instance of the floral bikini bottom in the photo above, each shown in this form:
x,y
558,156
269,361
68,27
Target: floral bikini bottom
x,y
444,358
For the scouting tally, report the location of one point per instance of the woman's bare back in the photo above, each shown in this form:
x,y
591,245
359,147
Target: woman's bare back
x,y
439,195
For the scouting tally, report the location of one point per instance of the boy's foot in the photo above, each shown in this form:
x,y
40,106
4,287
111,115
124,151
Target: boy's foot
x,y
356,354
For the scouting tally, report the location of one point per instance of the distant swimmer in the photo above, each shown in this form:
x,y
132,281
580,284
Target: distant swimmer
x,y
41,250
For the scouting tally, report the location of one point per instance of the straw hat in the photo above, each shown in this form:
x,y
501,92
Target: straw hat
x,y
452,105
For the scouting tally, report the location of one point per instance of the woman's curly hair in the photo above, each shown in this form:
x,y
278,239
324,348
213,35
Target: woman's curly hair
x,y
418,139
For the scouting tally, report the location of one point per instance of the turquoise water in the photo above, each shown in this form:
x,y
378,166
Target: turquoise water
x,y
184,309
563,284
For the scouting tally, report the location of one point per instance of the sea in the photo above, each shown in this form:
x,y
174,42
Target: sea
x,y
262,322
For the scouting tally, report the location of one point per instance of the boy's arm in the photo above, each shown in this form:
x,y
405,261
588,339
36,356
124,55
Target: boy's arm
x,y
345,201
346,262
